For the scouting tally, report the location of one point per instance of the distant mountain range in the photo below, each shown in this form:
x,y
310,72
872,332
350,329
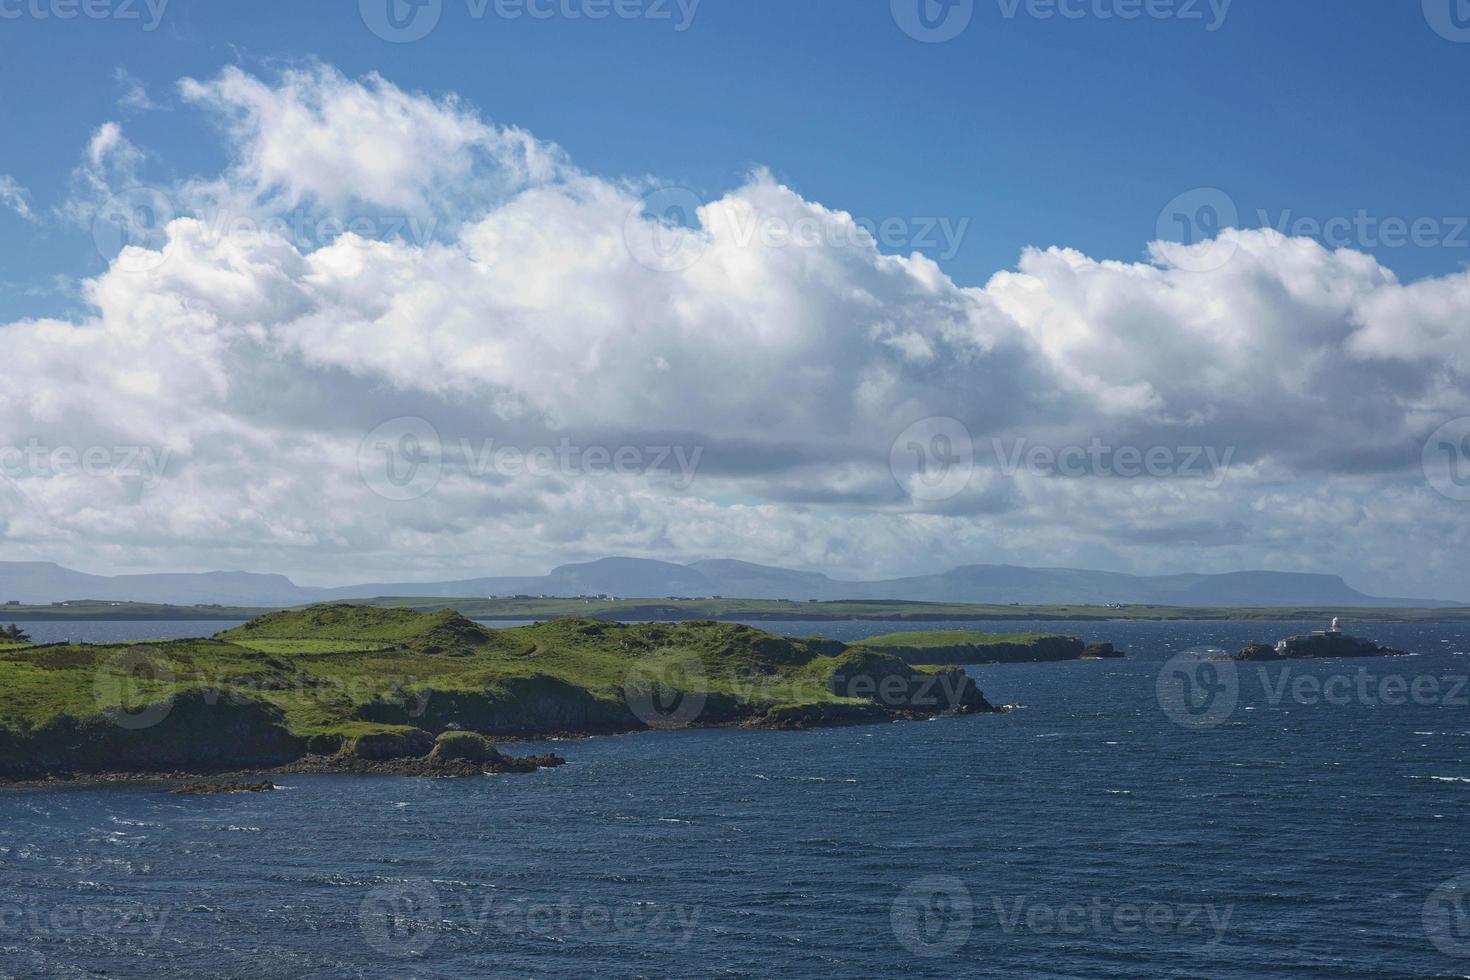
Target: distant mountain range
x,y
637,578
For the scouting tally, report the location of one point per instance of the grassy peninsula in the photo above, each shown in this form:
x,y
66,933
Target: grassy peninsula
x,y
360,688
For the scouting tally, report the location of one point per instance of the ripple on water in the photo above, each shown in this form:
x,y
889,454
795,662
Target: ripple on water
x,y
1324,839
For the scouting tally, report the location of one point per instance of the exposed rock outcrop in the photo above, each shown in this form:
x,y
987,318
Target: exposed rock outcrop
x,y
219,789
1322,645
195,731
891,685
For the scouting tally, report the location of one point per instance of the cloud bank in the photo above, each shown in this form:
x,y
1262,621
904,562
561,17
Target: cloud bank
x,y
372,260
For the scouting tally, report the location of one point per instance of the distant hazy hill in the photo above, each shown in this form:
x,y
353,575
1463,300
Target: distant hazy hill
x,y
43,582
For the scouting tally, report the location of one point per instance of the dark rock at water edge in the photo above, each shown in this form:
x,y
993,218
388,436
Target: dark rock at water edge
x,y
218,789
197,731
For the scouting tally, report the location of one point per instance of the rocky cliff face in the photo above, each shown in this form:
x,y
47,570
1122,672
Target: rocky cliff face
x,y
198,731
894,686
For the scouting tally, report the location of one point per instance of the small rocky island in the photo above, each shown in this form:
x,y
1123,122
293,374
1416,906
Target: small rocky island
x,y
363,689
1328,644
968,647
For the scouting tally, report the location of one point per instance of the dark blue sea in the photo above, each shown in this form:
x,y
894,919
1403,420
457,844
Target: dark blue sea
x,y
1158,816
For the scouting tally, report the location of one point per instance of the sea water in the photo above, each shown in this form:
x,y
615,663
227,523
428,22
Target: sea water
x,y
1319,827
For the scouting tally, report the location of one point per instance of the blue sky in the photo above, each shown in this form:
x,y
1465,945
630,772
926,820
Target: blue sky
x,y
981,384
1035,131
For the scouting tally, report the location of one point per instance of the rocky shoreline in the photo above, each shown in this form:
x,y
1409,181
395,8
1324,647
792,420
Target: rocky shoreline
x,y
458,755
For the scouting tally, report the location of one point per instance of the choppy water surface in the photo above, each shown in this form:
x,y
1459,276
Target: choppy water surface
x,y
1308,821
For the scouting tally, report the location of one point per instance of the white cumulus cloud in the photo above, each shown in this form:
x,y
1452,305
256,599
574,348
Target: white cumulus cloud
x,y
465,273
